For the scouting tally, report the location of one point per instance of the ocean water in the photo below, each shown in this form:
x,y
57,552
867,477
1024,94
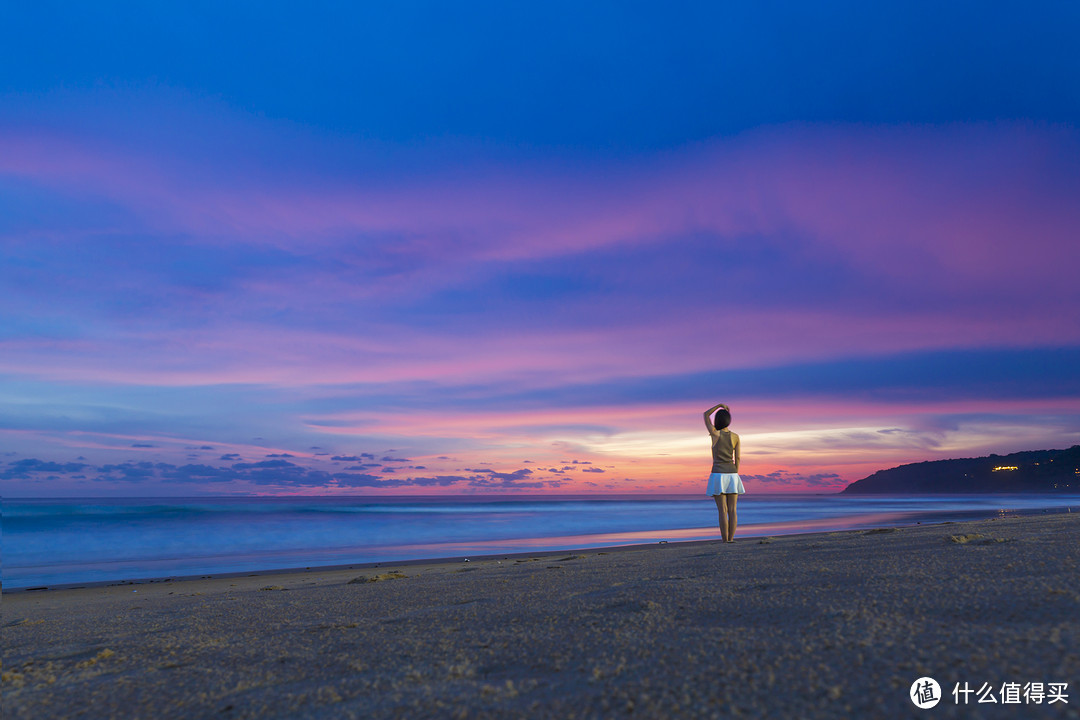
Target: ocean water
x,y
72,541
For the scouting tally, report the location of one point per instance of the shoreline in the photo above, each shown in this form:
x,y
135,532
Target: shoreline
x,y
748,532
765,627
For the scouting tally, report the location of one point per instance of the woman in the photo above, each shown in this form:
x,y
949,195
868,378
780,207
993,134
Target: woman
x,y
725,485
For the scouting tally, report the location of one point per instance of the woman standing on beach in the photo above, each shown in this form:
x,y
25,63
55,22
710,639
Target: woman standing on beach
x,y
725,485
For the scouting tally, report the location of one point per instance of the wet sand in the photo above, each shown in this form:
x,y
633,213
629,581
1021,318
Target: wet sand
x,y
823,625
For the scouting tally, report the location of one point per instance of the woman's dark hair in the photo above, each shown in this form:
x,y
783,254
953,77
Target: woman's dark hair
x,y
722,419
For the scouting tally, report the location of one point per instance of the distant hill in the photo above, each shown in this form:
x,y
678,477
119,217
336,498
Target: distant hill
x,y
1035,471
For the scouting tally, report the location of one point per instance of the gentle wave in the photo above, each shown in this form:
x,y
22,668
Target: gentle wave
x,y
50,542
19,509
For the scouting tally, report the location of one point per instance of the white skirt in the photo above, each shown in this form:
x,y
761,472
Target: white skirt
x,y
721,483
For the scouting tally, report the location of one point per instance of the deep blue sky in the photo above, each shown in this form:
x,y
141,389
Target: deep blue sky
x,y
623,75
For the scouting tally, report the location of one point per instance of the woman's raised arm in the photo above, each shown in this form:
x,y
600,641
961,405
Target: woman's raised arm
x,y
708,419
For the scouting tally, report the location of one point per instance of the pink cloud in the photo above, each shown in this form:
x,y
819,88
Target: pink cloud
x,y
365,354
971,228
970,200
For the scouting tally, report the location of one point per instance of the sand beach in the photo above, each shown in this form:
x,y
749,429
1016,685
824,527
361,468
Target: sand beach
x,y
813,626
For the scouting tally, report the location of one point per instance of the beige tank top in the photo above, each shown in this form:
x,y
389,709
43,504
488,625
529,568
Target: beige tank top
x,y
723,452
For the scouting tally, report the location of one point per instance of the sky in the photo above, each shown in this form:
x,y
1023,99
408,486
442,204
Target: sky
x,y
445,248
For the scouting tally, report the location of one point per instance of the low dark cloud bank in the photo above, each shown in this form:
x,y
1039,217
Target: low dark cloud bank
x,y
782,477
277,472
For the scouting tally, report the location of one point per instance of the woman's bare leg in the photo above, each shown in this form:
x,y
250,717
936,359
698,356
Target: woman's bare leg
x,y
730,499
723,520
